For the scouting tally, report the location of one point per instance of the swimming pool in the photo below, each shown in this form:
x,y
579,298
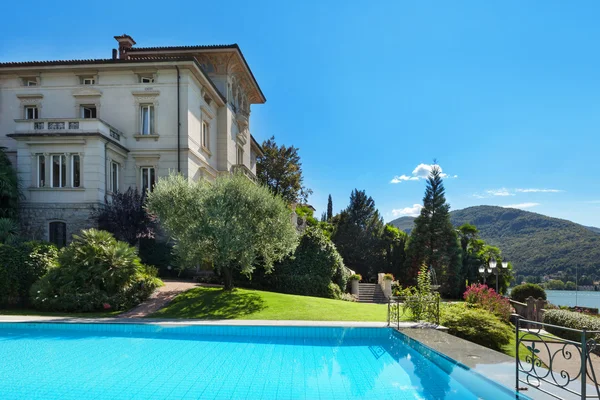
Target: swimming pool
x,y
130,361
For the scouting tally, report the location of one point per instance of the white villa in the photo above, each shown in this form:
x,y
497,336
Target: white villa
x,y
79,130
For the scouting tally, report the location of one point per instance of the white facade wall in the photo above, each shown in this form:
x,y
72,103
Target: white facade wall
x,y
117,95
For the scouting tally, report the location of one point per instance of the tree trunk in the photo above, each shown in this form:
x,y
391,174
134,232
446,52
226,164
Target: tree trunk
x,y
227,278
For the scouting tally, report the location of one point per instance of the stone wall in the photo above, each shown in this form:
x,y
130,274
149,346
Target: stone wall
x,y
35,218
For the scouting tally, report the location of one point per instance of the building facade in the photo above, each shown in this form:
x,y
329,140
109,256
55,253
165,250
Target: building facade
x,y
80,130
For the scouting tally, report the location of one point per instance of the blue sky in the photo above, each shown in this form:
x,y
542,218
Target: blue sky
x,y
505,95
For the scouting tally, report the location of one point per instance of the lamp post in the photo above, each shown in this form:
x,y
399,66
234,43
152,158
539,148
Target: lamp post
x,y
493,268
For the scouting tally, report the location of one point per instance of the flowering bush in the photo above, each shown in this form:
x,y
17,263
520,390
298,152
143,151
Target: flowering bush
x,y
487,298
388,277
356,277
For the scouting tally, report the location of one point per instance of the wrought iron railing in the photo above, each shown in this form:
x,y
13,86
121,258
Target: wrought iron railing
x,y
554,365
415,308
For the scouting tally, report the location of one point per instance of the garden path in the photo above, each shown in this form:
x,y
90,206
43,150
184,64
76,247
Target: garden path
x,y
160,298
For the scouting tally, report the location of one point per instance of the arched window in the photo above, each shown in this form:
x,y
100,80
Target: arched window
x,y
57,233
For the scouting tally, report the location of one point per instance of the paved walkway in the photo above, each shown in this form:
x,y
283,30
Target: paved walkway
x,y
160,298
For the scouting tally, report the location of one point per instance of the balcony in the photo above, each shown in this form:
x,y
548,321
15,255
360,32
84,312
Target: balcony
x,y
242,169
66,127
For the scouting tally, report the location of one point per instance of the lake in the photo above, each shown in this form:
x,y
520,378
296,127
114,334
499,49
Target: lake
x,y
569,297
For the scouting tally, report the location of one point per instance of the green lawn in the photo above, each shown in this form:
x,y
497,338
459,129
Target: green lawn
x,y
214,303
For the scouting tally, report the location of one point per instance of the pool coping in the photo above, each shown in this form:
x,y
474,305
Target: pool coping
x,y
218,322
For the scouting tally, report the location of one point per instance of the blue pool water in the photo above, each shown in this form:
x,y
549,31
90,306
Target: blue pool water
x,y
126,361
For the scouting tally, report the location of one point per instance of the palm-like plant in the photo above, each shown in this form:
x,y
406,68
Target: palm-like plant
x,y
9,231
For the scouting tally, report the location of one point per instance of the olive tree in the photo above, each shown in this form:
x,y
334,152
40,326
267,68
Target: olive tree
x,y
232,222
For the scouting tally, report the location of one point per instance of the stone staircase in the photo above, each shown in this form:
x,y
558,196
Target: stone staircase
x,y
370,293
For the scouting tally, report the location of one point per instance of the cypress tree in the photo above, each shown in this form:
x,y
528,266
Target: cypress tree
x,y
434,241
329,208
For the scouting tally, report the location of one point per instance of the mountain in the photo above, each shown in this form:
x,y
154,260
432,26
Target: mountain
x,y
536,244
593,229
404,223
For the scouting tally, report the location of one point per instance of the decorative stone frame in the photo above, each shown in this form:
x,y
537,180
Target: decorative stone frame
x,y
146,160
89,97
30,100
48,173
114,154
50,221
206,116
33,77
146,97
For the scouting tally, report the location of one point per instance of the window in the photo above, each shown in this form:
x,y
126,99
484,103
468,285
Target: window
x,y
32,81
59,171
148,178
114,177
57,233
76,171
147,79
240,155
41,170
147,119
89,111
205,134
88,80
31,112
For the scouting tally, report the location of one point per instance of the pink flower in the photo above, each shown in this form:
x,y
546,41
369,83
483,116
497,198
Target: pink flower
x,y
106,306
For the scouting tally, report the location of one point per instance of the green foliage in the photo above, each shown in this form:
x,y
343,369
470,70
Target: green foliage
x,y
433,241
521,292
313,268
9,231
22,265
571,319
125,216
355,277
280,170
95,272
394,243
554,284
476,325
231,222
357,235
304,211
158,254
329,214
569,285
388,277
424,281
529,240
10,193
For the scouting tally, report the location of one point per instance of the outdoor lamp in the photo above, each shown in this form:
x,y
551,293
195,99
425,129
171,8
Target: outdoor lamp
x,y
504,264
492,263
481,269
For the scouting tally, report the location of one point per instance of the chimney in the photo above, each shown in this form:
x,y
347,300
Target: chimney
x,y
126,42
114,54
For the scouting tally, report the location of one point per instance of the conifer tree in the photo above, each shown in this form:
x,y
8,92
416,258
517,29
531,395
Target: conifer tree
x,y
434,241
329,208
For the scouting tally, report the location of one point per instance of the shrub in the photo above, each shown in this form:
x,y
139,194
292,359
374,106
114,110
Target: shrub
x,y
522,292
356,277
570,319
158,254
313,266
388,277
95,272
20,267
489,300
476,325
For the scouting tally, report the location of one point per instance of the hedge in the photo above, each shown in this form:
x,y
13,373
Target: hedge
x,y
571,319
476,325
20,267
522,292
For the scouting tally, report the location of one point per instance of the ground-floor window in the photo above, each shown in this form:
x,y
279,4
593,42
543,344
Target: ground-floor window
x,y
148,176
57,233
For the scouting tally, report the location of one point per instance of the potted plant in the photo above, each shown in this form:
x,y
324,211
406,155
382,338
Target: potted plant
x,y
387,284
354,279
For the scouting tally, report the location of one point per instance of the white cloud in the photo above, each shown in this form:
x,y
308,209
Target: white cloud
x,y
499,192
522,205
422,171
413,211
539,190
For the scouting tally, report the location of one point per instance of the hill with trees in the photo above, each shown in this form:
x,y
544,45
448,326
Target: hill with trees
x,y
534,243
